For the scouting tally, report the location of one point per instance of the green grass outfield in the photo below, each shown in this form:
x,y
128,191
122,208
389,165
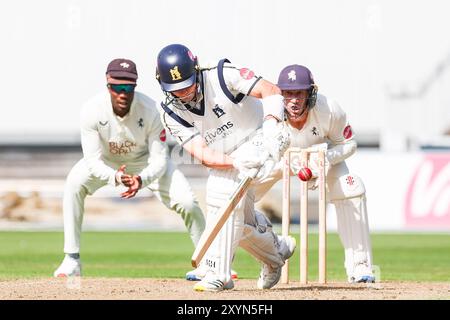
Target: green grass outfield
x,y
408,257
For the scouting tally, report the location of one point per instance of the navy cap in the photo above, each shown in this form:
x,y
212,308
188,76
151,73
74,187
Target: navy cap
x,y
176,67
295,77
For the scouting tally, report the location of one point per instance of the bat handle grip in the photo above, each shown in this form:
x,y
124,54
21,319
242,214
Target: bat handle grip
x,y
253,172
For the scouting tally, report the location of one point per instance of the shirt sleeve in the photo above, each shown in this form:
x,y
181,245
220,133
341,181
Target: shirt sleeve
x,y
178,127
239,80
158,153
92,150
342,144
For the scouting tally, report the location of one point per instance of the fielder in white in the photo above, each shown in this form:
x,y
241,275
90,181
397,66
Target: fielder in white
x,y
215,111
124,143
314,119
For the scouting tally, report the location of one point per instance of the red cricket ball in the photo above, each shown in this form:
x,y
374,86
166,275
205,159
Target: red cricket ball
x,y
305,174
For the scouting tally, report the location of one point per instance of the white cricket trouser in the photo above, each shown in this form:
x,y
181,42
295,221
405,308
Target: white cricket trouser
x,y
258,238
172,189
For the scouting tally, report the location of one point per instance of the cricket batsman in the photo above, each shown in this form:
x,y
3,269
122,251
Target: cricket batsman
x,y
215,112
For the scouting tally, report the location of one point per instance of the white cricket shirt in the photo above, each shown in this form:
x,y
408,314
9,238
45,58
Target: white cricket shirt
x,y
326,122
136,140
224,125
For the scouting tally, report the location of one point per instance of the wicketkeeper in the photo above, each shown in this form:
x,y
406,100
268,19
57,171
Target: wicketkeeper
x,y
313,119
124,143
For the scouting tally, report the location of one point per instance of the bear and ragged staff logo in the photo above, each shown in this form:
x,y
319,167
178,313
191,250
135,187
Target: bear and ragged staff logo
x,y
175,74
218,111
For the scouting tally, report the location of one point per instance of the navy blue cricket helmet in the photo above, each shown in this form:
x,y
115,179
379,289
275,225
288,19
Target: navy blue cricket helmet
x,y
176,68
297,77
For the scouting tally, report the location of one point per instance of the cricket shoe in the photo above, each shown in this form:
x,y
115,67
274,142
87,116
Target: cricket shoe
x,y
199,273
362,274
212,284
269,275
70,267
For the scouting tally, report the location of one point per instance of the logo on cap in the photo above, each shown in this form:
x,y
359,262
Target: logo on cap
x,y
125,65
292,75
176,75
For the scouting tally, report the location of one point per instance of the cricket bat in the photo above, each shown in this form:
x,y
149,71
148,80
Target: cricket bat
x,y
225,211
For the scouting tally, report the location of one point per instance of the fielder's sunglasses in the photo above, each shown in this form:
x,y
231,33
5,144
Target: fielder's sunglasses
x,y
118,88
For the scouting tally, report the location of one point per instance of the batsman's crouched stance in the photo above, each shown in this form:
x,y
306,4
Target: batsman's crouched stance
x,y
246,227
124,143
213,111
